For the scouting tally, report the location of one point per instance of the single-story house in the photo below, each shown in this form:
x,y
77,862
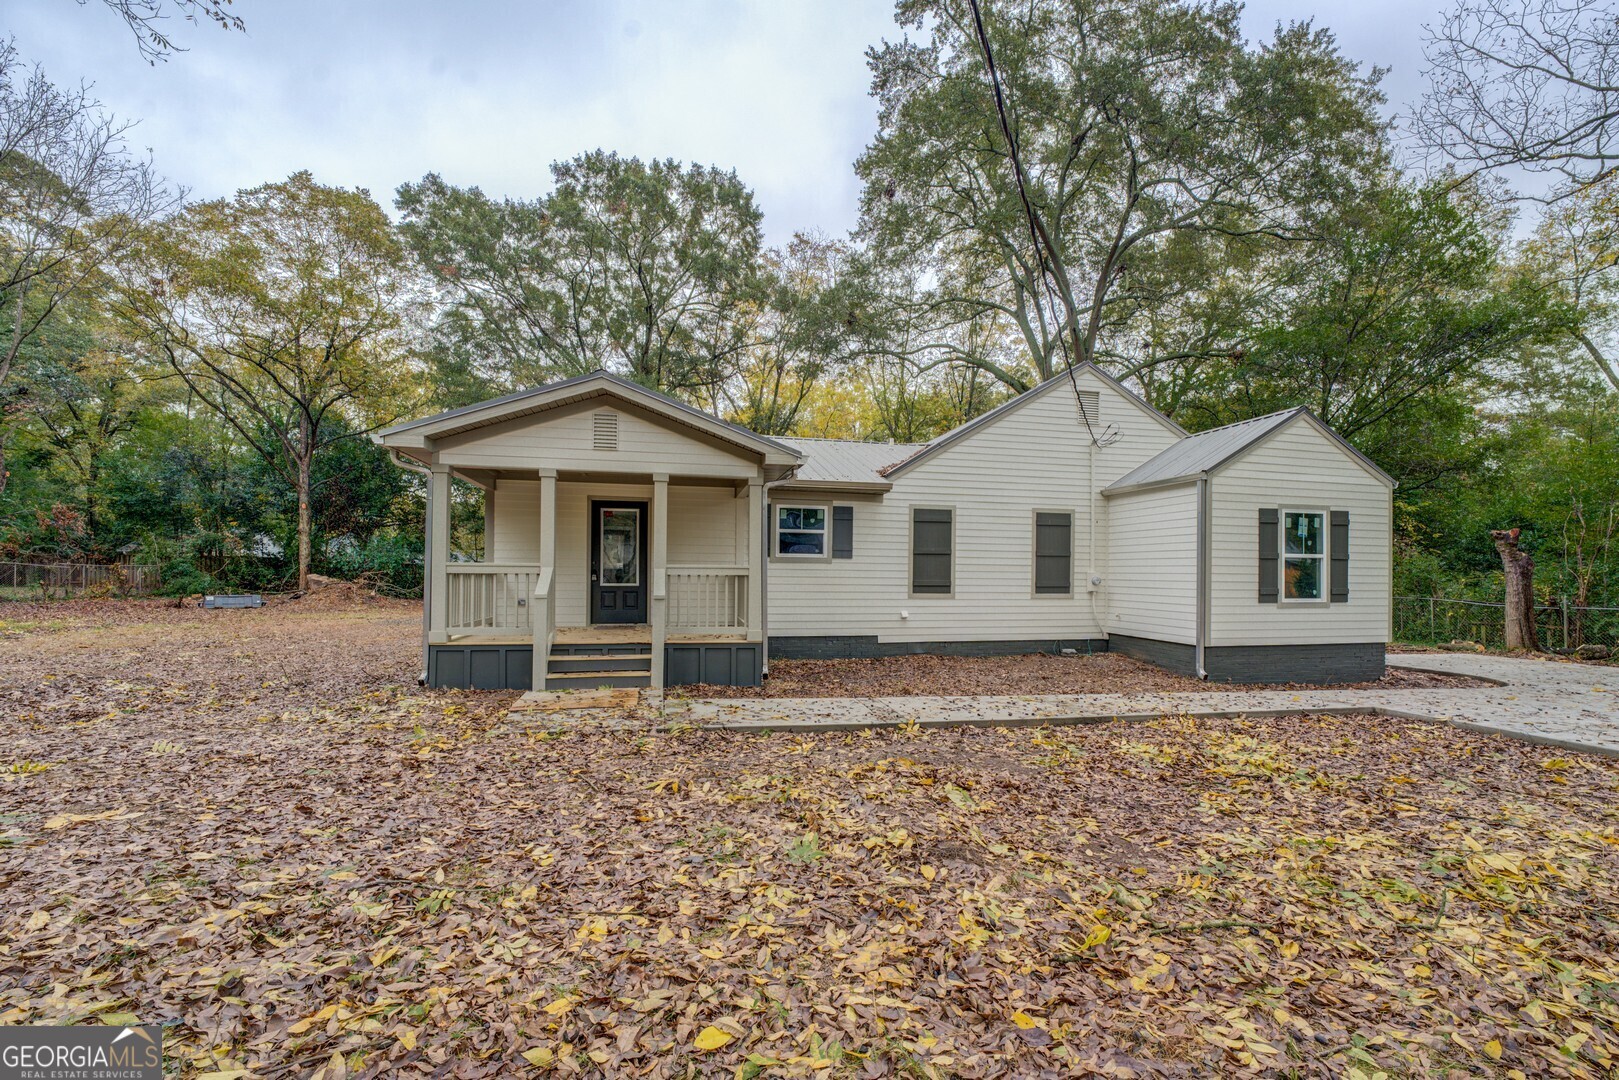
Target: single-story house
x,y
633,540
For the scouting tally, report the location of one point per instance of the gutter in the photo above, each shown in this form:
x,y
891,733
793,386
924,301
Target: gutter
x,y
1202,631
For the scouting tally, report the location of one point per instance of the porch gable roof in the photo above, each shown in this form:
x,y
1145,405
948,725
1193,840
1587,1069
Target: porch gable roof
x,y
415,433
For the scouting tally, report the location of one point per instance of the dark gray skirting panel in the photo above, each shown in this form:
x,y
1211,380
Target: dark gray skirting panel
x,y
480,667
714,663
1319,664
511,667
853,647
1169,655
1322,665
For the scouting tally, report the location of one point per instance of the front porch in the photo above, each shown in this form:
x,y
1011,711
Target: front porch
x,y
623,540
703,620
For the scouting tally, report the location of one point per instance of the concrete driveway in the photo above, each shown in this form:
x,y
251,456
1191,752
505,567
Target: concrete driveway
x,y
1575,706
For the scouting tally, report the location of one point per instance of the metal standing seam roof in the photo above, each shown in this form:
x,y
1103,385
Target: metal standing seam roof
x,y
1197,454
846,461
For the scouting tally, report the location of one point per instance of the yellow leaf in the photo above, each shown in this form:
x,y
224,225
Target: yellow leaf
x,y
39,920
540,1056
711,1038
1290,949
713,952
928,872
407,1038
1023,1020
1493,1049
559,1006
1098,936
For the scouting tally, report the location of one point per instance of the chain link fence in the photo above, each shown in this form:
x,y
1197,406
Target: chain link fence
x,y
25,580
1432,620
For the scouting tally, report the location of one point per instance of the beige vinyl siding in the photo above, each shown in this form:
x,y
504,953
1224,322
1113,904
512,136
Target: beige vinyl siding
x,y
1152,564
703,531
565,438
517,523
993,479
1298,468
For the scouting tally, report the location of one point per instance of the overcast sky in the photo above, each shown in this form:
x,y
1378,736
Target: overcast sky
x,y
372,94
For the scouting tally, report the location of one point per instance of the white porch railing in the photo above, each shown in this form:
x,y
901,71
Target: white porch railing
x,y
708,599
483,599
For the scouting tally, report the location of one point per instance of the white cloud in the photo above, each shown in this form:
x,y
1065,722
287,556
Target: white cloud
x,y
377,94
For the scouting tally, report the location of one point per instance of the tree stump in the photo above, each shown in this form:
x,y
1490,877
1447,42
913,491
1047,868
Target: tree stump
x,y
1520,580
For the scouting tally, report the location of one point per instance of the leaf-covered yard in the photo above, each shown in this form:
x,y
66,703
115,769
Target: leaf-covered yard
x,y
248,826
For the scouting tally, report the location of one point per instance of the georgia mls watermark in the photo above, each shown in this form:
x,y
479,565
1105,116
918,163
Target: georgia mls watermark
x,y
81,1053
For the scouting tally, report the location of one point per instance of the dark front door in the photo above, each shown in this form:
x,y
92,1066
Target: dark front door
x,y
618,562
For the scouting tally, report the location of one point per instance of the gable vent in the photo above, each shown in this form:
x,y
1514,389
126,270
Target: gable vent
x,y
1090,406
605,431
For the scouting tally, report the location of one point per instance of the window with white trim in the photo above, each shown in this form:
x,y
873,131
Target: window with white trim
x,y
1304,555
801,531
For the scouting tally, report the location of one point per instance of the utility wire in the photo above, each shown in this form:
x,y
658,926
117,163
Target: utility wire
x,y
1045,253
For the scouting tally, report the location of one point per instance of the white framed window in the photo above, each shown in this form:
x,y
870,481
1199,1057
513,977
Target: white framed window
x,y
1304,555
801,532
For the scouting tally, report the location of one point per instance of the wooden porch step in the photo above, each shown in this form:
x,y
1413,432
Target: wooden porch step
x,y
592,680
561,663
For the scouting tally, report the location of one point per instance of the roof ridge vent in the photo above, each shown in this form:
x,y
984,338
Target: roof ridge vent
x,y
604,430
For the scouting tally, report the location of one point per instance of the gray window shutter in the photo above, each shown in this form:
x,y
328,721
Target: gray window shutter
x,y
1270,571
931,550
1338,545
843,532
1053,553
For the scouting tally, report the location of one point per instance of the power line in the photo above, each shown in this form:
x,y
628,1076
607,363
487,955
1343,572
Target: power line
x,y
1045,254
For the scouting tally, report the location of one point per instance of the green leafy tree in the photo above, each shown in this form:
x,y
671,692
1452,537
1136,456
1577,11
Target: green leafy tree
x,y
72,196
1398,321
286,312
79,393
1144,128
650,269
1575,251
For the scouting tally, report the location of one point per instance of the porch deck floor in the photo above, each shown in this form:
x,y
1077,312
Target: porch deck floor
x,y
626,634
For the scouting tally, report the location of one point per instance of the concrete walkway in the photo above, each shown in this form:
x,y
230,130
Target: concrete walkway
x,y
1574,706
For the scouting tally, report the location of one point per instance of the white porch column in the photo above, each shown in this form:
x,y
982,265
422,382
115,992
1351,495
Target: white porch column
x,y
756,577
438,552
660,574
489,522
545,604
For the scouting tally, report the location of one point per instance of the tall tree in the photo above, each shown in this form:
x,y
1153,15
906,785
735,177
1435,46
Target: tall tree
x,y
1527,83
80,391
1405,299
806,329
286,311
647,268
1141,127
1575,250
72,196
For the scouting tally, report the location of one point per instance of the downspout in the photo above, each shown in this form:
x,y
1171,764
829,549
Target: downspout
x,y
1202,630
427,540
1092,585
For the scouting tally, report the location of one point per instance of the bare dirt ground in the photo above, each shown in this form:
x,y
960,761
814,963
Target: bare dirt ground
x,y
1103,673
251,827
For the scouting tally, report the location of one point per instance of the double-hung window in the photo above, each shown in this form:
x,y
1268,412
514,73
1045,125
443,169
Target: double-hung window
x,y
801,531
1304,555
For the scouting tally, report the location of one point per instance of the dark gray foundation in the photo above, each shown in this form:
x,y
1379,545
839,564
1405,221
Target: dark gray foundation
x,y
851,647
